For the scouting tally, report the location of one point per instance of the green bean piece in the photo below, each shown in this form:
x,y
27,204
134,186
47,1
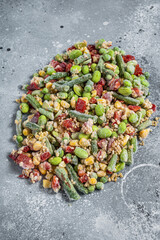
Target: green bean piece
x,y
120,64
37,93
79,80
74,160
82,58
130,153
87,62
99,185
49,146
73,175
46,113
59,87
46,106
33,101
98,43
100,64
120,166
94,147
82,117
112,163
139,114
56,75
128,100
144,125
124,155
89,85
75,54
33,126
134,143
18,122
67,185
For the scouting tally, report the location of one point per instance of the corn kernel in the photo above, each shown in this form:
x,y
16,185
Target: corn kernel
x,y
46,183
101,173
42,170
85,99
64,104
125,140
42,73
103,166
80,167
84,142
37,146
149,112
144,133
73,143
48,85
26,131
40,101
92,181
23,98
102,101
36,161
62,164
73,102
56,106
89,160
94,93
118,105
49,176
111,66
28,154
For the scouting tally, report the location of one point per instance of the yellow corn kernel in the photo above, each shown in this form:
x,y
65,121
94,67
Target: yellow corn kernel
x,y
144,133
26,131
92,181
73,102
118,105
42,170
48,85
64,104
37,146
111,66
56,106
46,183
149,112
89,160
94,93
42,73
49,176
36,161
125,140
103,166
101,173
85,99
73,143
23,98
84,142
101,101
40,101
62,164
127,112
28,154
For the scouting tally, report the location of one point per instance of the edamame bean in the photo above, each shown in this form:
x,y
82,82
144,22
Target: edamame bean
x,y
124,155
87,94
99,109
91,189
96,76
108,77
75,69
42,120
75,54
80,152
55,160
59,152
24,107
146,74
104,179
128,76
85,69
45,90
106,57
127,83
104,132
144,82
62,95
93,67
99,186
78,90
125,91
114,134
82,135
133,118
121,128
130,69
50,71
47,96
19,139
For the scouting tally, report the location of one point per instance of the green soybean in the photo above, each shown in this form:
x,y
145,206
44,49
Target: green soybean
x,y
85,69
133,118
55,160
104,132
99,109
99,186
125,91
93,67
127,83
24,107
96,76
124,155
75,69
121,128
75,54
80,152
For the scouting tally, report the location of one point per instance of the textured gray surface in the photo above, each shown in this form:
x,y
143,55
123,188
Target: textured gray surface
x,y
129,209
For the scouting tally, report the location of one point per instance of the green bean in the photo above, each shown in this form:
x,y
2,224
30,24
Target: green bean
x,y
120,64
37,93
144,125
87,62
80,152
56,75
18,122
79,80
46,113
67,185
139,114
94,147
112,163
82,58
120,166
33,101
33,126
100,64
82,135
59,87
124,155
89,85
130,153
82,117
127,100
46,106
49,146
134,143
75,54
73,175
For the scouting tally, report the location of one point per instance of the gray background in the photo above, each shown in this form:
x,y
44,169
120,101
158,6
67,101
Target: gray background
x,y
30,36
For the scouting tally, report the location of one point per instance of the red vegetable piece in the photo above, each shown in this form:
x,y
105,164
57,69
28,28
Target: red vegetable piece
x,y
58,68
138,70
99,89
69,65
102,82
35,117
66,160
69,149
108,172
24,161
81,173
25,149
46,166
22,176
84,178
128,58
54,63
81,105
13,156
117,115
134,108
102,144
107,96
29,92
114,84
45,156
91,47
138,91
153,107
110,143
61,116
55,183
93,100
33,86
71,48
46,76
95,57
68,123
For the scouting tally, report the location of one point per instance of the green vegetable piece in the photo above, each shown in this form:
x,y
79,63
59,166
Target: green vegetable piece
x,y
37,93
91,189
104,132
49,146
46,106
114,134
145,82
130,69
42,120
143,111
130,154
128,76
128,100
55,160
79,80
121,128
19,139
61,88
101,119
33,101
104,179
127,83
124,155
82,135
56,75
106,57
108,76
50,71
82,58
75,69
93,175
85,69
112,163
98,43
74,54
45,90
99,186
82,117
120,64
87,94
78,90
133,118
144,125
75,135
62,95
46,113
80,45
24,107
110,52
93,67
47,96
134,143
125,91
102,51
146,74
18,122
33,126
94,147
80,152
59,58
95,128
100,65
120,166
139,114
74,160
88,86
99,109
141,100
96,76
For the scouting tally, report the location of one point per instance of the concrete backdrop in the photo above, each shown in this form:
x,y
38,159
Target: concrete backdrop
x,y
31,33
